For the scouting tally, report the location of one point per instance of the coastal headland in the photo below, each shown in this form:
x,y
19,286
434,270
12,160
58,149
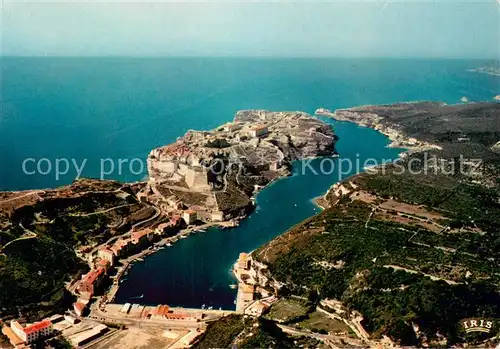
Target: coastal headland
x,y
86,235
380,234
397,248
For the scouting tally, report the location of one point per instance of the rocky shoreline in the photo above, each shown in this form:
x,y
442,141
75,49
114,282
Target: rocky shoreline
x,y
398,138
216,173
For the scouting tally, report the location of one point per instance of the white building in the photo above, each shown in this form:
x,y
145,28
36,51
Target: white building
x,y
258,131
106,254
31,333
190,216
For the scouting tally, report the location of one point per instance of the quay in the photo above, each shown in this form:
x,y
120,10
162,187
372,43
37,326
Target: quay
x,y
144,315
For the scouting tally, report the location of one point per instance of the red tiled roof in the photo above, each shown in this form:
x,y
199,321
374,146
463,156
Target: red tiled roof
x,y
174,220
258,127
92,275
79,306
176,316
37,327
104,262
138,234
119,244
161,310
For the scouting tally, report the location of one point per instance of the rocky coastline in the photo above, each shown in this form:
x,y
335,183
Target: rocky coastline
x,y
364,210
398,137
216,173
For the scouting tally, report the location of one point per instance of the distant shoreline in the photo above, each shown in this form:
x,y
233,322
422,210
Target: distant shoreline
x,y
480,71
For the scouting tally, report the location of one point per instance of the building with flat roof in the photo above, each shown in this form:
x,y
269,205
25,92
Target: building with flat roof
x,y
107,255
258,131
126,308
244,261
190,216
13,338
89,335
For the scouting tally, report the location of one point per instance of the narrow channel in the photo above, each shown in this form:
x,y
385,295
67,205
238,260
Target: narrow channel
x,y
197,270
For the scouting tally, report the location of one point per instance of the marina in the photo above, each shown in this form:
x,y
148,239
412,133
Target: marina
x,y
197,270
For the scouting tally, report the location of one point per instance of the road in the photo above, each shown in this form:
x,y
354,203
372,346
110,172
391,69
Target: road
x,y
112,317
26,236
157,213
98,212
325,338
22,196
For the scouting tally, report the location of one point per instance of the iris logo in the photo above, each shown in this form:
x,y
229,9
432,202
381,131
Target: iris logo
x,y
477,325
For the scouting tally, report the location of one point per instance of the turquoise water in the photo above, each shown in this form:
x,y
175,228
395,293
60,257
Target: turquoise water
x,y
196,270
119,108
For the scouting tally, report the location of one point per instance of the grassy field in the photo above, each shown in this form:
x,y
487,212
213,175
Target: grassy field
x,y
321,323
287,309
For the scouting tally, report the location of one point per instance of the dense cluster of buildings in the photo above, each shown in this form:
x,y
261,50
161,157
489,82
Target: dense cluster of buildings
x,y
106,257
182,161
246,302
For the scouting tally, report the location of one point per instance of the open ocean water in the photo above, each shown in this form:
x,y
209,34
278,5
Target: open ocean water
x,y
91,109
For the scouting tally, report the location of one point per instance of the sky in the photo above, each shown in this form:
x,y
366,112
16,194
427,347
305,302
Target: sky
x,y
402,28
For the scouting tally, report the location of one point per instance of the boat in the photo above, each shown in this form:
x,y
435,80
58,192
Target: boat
x,y
138,297
203,306
183,237
201,230
210,308
233,286
168,244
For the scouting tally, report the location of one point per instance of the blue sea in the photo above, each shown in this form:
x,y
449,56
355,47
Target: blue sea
x,y
106,111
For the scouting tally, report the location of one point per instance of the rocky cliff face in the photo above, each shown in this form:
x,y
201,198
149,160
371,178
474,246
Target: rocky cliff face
x,y
257,141
228,163
376,118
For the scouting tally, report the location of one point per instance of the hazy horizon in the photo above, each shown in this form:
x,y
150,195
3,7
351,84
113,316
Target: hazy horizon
x,y
277,29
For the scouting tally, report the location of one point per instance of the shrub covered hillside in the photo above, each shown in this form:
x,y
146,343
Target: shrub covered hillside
x,y
414,255
40,232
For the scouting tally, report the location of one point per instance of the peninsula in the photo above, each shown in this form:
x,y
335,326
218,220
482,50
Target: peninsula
x,y
404,254
216,172
395,258
76,242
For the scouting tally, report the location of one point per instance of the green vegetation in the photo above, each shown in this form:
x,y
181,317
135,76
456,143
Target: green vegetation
x,y
321,323
38,239
245,332
34,271
433,306
348,253
268,335
288,310
221,334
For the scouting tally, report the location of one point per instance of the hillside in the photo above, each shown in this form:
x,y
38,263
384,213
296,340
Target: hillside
x,y
413,252
40,231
